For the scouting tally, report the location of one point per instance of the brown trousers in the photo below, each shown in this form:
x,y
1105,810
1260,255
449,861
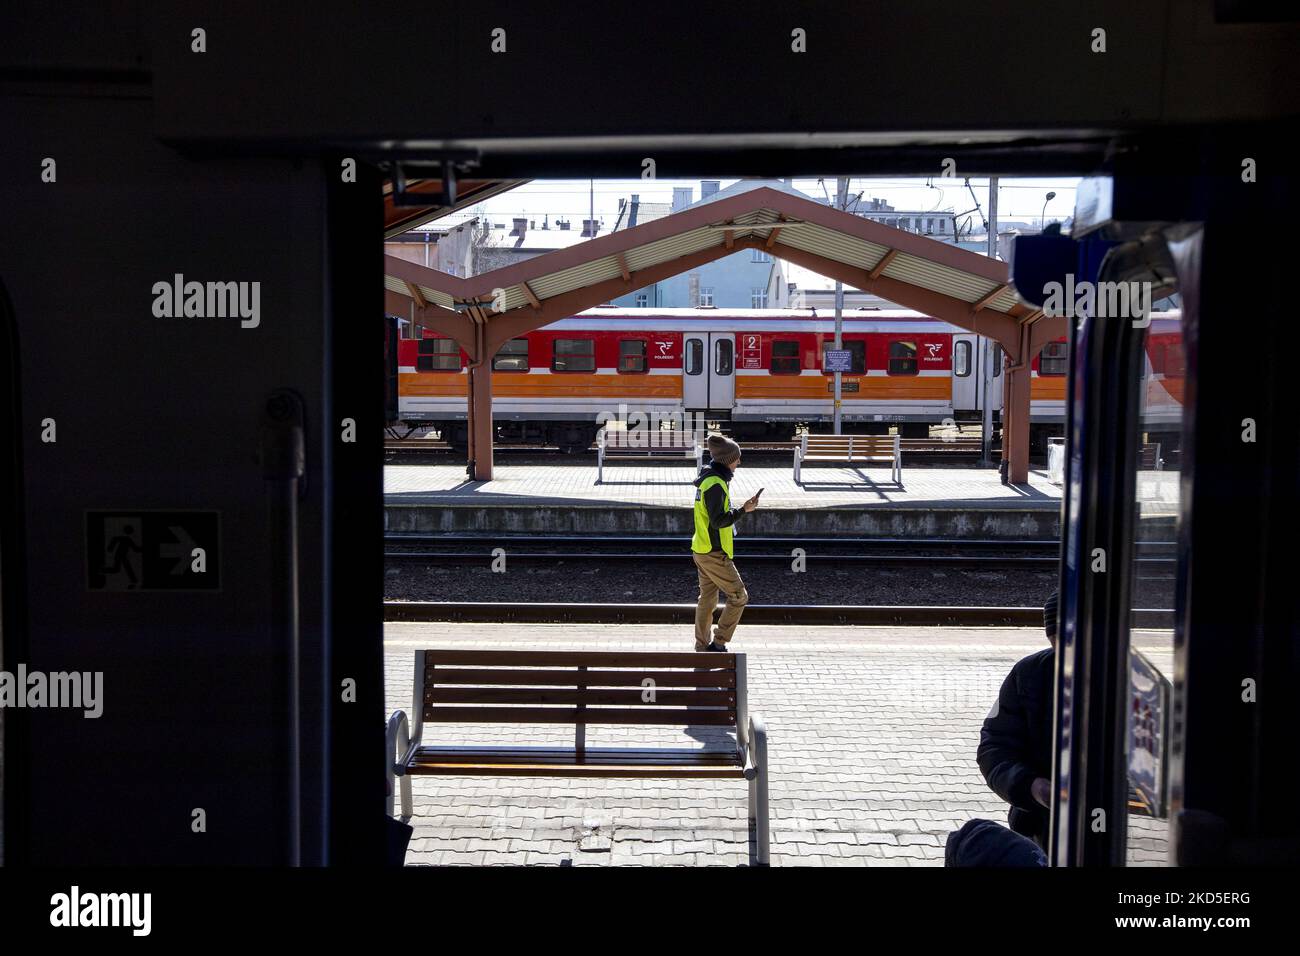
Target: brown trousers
x,y
717,573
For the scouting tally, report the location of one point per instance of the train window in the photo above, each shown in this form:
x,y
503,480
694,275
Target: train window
x,y
511,357
438,355
631,355
785,357
961,359
902,358
857,356
694,356
1054,359
997,360
723,357
574,355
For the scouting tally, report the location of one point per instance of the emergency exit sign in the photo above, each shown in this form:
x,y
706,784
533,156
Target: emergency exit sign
x,y
144,550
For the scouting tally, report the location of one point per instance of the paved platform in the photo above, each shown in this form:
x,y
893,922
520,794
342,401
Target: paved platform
x,y
657,498
873,738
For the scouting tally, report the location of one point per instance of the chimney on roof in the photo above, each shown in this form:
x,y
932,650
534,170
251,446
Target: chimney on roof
x,y
631,215
521,227
562,225
708,187
682,197
588,227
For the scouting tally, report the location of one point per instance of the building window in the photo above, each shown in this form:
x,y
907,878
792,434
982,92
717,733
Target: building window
x,y
961,359
1054,359
760,256
757,298
857,356
574,355
631,355
902,358
785,357
706,297
438,355
694,356
642,300
512,357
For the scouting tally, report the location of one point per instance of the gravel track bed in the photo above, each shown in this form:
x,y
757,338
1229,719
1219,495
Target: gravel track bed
x,y
587,581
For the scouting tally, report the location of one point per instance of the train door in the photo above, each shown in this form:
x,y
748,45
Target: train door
x,y
966,377
968,357
709,371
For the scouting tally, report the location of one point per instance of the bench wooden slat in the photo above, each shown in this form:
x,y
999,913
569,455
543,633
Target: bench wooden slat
x,y
590,678
648,771
688,659
577,695
657,755
568,762
663,716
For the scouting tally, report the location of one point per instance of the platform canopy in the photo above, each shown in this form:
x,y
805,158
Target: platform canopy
x,y
953,285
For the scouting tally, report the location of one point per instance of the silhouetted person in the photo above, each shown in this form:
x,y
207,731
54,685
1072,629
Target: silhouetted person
x,y
985,843
711,545
120,548
1016,742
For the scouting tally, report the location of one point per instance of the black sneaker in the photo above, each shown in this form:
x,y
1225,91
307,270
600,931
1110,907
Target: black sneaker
x,y
715,646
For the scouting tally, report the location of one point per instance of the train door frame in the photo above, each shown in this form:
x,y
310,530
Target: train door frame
x,y
708,388
966,387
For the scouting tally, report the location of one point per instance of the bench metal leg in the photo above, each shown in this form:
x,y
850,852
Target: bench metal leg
x,y
758,809
796,466
399,742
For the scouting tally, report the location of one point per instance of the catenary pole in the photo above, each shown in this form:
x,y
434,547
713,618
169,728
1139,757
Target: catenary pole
x,y
986,344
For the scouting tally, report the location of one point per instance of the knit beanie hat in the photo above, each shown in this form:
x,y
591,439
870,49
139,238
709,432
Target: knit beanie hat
x,y
723,449
1050,612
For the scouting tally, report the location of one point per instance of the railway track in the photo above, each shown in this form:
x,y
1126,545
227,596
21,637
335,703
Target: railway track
x,y
879,552
960,553
807,614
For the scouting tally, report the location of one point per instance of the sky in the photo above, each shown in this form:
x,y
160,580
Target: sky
x,y
1019,199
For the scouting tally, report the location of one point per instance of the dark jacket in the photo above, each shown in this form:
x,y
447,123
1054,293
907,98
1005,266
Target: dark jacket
x,y
1016,741
715,502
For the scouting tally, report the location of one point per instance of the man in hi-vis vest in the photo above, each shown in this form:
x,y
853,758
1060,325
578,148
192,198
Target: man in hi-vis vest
x,y
711,545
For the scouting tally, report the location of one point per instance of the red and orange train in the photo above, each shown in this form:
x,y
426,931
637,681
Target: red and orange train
x,y
760,372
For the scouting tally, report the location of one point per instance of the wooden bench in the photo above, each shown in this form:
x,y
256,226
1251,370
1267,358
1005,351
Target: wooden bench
x,y
849,449
645,445
509,688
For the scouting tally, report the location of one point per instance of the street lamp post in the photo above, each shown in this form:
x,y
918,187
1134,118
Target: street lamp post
x,y
1042,217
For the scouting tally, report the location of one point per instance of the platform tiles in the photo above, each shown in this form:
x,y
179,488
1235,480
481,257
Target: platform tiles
x,y
669,485
873,737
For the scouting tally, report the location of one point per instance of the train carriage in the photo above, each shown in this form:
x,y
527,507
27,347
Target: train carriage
x,y
760,372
